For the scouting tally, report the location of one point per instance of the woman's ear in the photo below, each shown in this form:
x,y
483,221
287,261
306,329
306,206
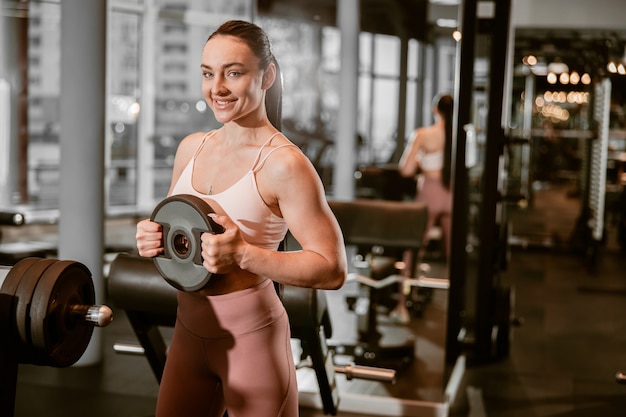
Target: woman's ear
x,y
269,76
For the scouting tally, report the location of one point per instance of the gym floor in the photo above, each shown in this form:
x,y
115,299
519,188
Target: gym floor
x,y
562,362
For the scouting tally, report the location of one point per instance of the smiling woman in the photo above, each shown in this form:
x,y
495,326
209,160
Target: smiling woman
x,y
232,86
261,66
260,185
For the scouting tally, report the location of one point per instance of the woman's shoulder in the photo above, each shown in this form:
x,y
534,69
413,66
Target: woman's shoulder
x,y
431,137
189,144
283,157
193,140
424,133
428,131
282,168
285,152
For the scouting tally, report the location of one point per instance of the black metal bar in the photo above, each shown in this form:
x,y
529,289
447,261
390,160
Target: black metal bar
x,y
487,267
462,109
10,218
402,97
315,345
150,337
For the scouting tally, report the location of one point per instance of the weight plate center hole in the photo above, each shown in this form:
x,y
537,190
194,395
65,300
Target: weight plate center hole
x,y
181,245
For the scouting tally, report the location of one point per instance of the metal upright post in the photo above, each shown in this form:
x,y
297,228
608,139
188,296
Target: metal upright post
x,y
82,114
343,186
147,118
462,115
10,161
491,198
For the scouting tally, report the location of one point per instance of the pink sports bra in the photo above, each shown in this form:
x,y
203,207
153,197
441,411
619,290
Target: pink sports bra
x,y
241,201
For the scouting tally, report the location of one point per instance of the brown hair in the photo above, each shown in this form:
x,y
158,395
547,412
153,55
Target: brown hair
x,y
445,106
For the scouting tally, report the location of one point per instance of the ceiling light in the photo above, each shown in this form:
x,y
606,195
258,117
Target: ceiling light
x,y
585,79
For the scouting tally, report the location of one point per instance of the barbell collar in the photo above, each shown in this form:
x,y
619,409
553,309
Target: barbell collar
x,y
96,315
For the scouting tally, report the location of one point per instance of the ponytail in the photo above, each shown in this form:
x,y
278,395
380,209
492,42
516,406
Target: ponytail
x,y
274,99
445,107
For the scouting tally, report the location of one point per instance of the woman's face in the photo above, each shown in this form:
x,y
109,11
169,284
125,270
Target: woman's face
x,y
233,85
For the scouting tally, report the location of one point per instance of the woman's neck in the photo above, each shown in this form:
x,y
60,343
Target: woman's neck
x,y
235,133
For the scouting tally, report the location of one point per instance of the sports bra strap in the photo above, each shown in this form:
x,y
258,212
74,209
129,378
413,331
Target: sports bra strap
x,y
206,136
258,162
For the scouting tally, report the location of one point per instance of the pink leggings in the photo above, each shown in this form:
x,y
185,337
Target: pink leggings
x,y
438,199
230,352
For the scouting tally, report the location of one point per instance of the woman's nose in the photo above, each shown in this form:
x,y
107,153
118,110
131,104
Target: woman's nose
x,y
218,86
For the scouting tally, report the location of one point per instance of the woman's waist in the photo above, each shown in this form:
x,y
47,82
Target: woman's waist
x,y
238,312
431,174
234,281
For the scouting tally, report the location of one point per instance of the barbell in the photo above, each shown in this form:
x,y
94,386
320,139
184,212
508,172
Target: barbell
x,y
48,311
11,218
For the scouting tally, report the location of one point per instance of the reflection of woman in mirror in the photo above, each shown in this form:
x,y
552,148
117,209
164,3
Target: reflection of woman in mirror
x,y
428,156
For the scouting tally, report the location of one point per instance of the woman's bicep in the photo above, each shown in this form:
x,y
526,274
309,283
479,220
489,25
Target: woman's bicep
x,y
305,209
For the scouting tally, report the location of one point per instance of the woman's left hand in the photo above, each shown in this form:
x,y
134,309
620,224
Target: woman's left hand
x,y
222,253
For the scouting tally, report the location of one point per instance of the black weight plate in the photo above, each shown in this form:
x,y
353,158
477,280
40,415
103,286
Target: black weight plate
x,y
184,218
23,296
58,336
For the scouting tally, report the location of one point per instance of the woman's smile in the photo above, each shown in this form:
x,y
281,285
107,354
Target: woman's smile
x,y
223,104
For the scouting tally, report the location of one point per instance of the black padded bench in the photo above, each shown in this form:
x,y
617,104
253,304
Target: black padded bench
x,y
381,230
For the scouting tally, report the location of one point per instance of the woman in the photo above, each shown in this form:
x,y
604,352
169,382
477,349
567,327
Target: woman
x,y
428,153
231,344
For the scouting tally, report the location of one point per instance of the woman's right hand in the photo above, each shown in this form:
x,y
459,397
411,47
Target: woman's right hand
x,y
149,238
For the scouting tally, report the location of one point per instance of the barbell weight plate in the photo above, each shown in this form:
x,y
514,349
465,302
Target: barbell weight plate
x,y
184,218
8,288
23,297
14,276
59,338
